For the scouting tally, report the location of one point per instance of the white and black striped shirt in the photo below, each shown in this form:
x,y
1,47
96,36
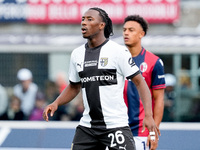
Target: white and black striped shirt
x,y
102,71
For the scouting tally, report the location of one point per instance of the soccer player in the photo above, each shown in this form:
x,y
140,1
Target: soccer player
x,y
151,67
99,67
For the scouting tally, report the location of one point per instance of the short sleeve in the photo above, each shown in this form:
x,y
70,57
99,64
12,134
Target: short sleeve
x,y
158,76
73,73
127,64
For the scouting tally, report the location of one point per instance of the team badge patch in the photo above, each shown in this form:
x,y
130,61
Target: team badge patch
x,y
143,67
104,61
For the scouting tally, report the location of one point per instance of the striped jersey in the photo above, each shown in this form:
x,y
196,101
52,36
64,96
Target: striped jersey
x,y
102,71
152,69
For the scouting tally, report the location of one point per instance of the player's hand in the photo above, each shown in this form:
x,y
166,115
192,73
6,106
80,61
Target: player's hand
x,y
50,109
149,123
152,144
154,132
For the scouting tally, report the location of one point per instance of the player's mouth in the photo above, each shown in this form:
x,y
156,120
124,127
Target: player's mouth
x,y
126,39
83,30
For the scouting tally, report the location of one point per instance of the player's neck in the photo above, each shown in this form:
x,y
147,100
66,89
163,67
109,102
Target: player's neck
x,y
94,42
135,50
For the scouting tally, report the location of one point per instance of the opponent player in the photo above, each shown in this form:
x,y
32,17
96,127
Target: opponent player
x,y
151,67
99,67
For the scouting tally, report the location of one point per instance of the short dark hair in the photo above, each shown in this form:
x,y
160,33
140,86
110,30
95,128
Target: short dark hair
x,y
144,24
108,30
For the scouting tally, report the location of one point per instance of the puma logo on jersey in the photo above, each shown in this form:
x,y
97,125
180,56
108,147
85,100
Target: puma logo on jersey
x,y
80,65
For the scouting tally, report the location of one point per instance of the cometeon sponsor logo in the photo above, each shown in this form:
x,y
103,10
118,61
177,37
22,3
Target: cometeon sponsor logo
x,y
98,78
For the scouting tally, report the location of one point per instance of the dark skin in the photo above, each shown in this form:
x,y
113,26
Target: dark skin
x,y
92,27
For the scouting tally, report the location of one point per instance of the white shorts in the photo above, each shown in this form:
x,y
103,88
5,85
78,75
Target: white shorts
x,y
141,143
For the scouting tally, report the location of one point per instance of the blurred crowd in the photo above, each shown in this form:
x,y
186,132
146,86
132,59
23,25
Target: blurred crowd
x,y
169,98
28,101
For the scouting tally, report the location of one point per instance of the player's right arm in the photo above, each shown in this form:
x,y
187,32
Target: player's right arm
x,y
69,93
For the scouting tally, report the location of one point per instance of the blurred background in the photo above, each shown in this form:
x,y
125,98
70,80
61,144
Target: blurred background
x,y
36,41
39,35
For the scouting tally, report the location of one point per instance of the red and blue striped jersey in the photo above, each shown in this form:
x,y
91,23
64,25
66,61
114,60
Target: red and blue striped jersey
x,y
152,69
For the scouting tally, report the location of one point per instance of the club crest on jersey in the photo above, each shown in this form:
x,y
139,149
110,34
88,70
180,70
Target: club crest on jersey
x,y
143,67
103,61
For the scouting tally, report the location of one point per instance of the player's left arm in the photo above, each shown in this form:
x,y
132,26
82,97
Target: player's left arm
x,y
158,96
158,87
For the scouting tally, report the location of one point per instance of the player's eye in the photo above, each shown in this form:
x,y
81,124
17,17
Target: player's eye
x,y
132,29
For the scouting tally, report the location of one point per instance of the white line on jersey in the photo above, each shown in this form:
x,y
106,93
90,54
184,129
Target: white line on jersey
x,y
161,76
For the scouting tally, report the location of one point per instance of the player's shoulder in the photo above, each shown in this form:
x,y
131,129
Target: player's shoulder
x,y
118,47
158,61
113,43
79,49
150,54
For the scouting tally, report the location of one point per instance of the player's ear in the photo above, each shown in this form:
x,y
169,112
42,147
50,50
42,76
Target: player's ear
x,y
102,25
142,34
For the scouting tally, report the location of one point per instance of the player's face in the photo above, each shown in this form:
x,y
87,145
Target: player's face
x,y
91,24
132,33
